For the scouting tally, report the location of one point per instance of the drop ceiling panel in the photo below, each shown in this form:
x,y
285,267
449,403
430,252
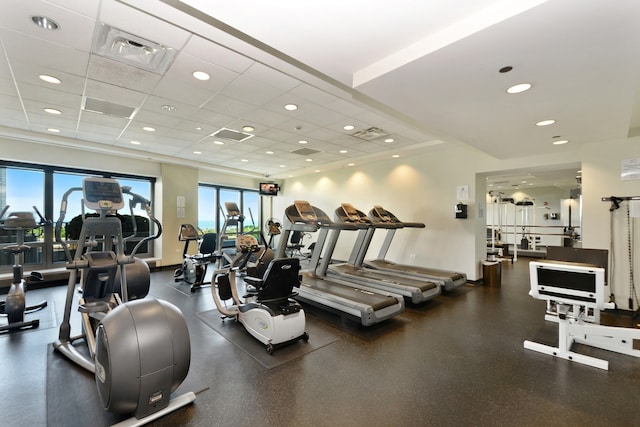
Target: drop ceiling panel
x,y
8,88
41,51
182,71
216,54
251,91
87,8
227,105
156,120
272,77
28,73
19,20
317,96
88,118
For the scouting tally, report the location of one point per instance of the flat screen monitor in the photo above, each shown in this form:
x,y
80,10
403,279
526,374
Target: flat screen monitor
x,y
269,189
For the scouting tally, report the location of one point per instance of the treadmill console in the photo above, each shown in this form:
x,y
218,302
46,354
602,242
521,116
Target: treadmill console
x,y
305,211
350,212
382,214
102,194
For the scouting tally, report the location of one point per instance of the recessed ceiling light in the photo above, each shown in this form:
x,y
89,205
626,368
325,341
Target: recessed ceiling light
x,y
52,111
169,108
519,88
218,142
349,127
248,128
395,156
50,79
53,130
244,160
350,164
198,128
291,107
317,170
201,75
388,140
560,142
282,166
308,160
545,122
269,152
134,142
343,151
302,141
197,152
149,129
44,22
505,69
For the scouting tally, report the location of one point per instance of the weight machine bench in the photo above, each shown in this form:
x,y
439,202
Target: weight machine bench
x,y
575,294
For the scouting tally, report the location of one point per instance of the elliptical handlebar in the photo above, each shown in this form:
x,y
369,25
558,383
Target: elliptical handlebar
x,y
60,221
135,200
146,205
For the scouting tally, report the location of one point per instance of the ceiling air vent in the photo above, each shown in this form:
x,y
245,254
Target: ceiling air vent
x,y
231,134
305,151
130,49
108,108
369,134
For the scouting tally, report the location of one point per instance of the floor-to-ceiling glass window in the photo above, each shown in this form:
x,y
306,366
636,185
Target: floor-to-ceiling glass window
x,y
24,186
22,190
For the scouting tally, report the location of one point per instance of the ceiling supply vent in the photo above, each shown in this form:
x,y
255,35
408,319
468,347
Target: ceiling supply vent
x,y
109,108
369,134
130,49
231,134
305,151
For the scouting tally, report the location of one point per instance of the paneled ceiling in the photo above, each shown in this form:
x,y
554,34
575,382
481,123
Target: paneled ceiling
x,y
408,76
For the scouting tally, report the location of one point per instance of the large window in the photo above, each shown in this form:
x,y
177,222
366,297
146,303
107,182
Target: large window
x,y
20,190
213,213
24,186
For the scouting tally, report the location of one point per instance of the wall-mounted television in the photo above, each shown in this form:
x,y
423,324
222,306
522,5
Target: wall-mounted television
x,y
269,189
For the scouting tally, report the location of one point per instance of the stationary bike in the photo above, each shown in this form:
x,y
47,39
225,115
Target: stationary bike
x,y
14,307
268,311
139,350
194,267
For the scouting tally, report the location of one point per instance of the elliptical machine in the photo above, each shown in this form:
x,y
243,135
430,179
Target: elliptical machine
x,y
14,307
138,350
268,313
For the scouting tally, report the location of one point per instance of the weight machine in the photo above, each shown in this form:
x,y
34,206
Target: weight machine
x,y
575,293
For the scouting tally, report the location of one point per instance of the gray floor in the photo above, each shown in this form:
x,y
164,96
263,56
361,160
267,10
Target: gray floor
x,y
457,360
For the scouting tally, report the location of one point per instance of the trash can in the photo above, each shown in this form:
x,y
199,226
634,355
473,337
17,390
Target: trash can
x,y
492,273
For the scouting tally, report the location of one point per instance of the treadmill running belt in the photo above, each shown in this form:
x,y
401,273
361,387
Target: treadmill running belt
x,y
375,300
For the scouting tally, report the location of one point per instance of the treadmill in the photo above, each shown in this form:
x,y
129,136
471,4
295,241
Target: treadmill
x,y
449,280
414,289
362,304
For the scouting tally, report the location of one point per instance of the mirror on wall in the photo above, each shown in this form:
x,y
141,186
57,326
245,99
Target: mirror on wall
x,y
528,211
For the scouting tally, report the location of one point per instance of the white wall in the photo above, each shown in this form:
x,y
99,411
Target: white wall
x,y
420,188
601,171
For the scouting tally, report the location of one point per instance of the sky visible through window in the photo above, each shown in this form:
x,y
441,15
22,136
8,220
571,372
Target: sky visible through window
x,y
25,189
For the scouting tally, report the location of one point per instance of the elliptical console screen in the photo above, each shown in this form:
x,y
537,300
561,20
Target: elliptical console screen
x,y
305,210
102,193
232,208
